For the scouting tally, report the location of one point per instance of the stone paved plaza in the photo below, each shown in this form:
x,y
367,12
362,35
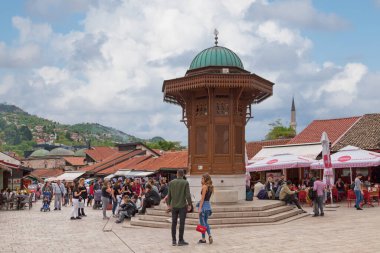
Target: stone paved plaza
x,y
343,230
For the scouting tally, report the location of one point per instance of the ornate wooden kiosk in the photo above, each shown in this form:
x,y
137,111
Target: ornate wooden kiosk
x,y
216,96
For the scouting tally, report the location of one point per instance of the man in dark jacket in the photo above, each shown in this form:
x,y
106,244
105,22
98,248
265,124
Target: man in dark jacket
x,y
179,200
151,198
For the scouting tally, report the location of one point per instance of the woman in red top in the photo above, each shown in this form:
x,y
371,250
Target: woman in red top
x,y
91,193
136,188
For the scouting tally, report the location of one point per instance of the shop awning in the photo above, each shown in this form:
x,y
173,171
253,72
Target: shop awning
x,y
279,162
110,176
70,175
351,157
144,173
34,178
134,173
123,173
308,150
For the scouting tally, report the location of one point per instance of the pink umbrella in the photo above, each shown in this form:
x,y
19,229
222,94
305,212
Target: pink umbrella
x,y
351,157
279,162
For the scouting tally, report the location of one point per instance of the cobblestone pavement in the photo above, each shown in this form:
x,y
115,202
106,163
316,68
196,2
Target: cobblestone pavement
x,y
343,230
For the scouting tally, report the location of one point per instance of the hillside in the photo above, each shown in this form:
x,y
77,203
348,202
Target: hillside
x,y
20,131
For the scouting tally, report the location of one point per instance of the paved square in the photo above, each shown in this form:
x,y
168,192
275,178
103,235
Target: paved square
x,y
343,230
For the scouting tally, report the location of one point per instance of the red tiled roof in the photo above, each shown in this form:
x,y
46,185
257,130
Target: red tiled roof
x,y
75,161
100,153
45,173
365,134
335,128
128,164
255,146
168,160
112,160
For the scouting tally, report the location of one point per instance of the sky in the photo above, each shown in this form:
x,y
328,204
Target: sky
x,y
76,61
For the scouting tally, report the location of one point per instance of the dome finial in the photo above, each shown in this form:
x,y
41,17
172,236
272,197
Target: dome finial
x,y
216,32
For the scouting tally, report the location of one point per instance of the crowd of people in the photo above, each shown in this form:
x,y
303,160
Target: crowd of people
x,y
127,197
123,194
316,191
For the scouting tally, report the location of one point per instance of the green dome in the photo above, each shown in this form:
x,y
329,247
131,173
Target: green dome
x,y
61,152
216,56
80,152
39,153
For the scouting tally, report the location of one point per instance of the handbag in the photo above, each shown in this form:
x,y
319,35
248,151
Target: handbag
x,y
200,228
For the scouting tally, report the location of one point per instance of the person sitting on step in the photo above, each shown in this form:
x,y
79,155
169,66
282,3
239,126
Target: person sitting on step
x,y
152,198
289,196
127,208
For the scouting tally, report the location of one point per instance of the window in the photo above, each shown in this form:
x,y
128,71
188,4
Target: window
x,y
201,140
222,108
201,109
221,139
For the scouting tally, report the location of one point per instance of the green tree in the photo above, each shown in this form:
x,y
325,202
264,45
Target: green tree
x,y
279,131
25,133
3,124
165,145
68,135
11,135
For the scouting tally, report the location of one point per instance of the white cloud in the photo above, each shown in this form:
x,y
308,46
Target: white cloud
x,y
57,9
272,32
6,84
52,75
112,70
342,88
296,13
31,32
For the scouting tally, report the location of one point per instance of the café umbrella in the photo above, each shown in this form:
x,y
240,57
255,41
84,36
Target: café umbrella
x,y
328,174
280,162
351,157
326,158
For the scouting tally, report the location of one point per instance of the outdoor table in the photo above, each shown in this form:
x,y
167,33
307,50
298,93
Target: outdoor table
x,y
374,193
371,192
20,198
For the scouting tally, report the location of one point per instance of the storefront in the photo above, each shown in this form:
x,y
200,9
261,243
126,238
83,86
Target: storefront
x,y
1,178
371,174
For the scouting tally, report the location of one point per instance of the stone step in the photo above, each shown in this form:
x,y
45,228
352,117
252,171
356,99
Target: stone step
x,y
276,219
265,213
247,206
219,221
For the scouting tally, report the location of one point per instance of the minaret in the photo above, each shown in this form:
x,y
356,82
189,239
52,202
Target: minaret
x,y
293,122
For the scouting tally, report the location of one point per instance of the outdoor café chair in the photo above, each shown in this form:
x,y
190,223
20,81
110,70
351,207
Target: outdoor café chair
x,y
335,194
302,197
10,201
350,197
367,199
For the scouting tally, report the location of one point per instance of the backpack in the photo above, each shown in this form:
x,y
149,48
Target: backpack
x,y
249,196
352,186
311,194
262,194
277,195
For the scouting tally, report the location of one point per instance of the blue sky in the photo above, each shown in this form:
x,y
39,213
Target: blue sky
x,y
105,61
359,41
